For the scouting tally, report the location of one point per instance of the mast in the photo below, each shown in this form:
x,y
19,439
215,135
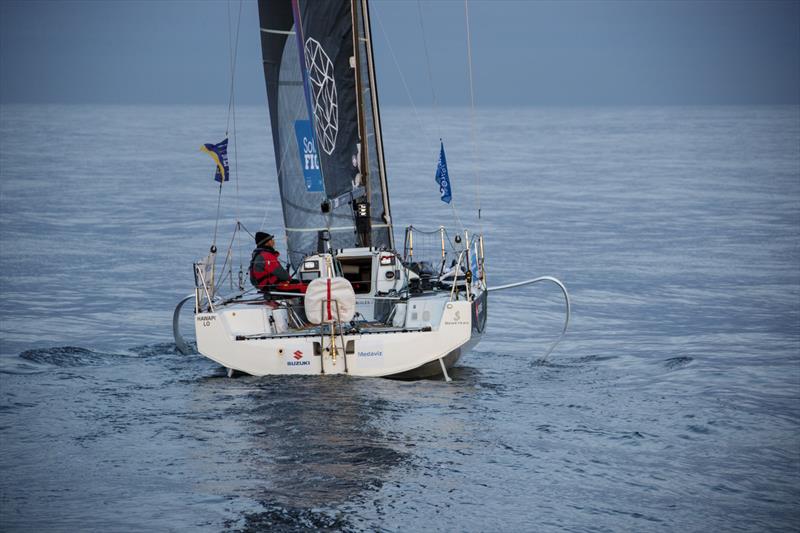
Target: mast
x,y
361,206
376,121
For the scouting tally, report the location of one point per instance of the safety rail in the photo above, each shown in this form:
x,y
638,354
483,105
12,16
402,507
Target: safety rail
x,y
466,273
462,255
203,285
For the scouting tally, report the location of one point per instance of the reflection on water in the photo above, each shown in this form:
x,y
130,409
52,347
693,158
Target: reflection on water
x,y
315,444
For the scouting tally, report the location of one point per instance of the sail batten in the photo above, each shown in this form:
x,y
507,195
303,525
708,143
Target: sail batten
x,y
278,32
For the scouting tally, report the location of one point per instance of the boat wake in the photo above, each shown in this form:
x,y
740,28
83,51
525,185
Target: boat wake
x,y
277,517
162,348
76,356
675,363
68,356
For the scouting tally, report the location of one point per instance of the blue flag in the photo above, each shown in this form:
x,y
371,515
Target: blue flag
x,y
443,178
219,153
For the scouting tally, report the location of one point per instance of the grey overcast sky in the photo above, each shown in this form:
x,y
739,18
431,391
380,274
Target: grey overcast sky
x,y
524,53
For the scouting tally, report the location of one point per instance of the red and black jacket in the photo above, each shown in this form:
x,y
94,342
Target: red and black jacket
x,y
265,269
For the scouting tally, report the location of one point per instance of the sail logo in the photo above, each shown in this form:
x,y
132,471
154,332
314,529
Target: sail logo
x,y
456,320
309,157
323,87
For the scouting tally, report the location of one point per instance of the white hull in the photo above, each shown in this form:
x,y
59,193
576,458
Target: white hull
x,y
237,337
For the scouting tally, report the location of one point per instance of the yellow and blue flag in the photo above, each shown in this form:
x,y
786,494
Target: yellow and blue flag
x,y
219,153
443,178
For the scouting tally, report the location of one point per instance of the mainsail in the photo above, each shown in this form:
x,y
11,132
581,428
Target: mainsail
x,y
319,117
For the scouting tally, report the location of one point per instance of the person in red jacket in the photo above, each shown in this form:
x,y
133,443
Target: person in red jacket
x,y
265,269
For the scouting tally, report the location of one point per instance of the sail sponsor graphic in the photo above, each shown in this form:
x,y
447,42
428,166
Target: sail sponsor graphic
x,y
323,89
309,157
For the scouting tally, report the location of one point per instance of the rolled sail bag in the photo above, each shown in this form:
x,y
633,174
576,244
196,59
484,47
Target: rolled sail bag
x,y
330,300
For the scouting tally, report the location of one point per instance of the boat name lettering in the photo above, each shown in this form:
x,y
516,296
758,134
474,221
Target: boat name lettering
x,y
376,353
206,318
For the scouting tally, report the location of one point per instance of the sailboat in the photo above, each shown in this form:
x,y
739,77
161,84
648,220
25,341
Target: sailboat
x,y
357,304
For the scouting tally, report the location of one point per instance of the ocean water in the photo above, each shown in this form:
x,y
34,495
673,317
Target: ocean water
x,y
673,404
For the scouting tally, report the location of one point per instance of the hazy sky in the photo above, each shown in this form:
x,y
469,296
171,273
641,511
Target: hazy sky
x,y
524,53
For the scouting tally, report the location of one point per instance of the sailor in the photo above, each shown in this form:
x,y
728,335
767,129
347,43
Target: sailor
x,y
265,269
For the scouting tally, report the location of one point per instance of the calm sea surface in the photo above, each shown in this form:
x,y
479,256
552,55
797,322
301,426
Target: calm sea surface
x,y
673,404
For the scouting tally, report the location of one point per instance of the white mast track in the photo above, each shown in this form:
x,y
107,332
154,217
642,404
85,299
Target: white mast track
x,y
536,280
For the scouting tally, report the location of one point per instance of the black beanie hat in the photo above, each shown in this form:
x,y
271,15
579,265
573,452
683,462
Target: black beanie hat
x,y
262,238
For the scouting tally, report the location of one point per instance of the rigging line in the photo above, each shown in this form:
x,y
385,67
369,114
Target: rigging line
x,y
233,48
301,103
408,92
216,222
433,90
452,205
399,70
236,172
242,227
428,65
472,118
228,258
455,214
230,107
